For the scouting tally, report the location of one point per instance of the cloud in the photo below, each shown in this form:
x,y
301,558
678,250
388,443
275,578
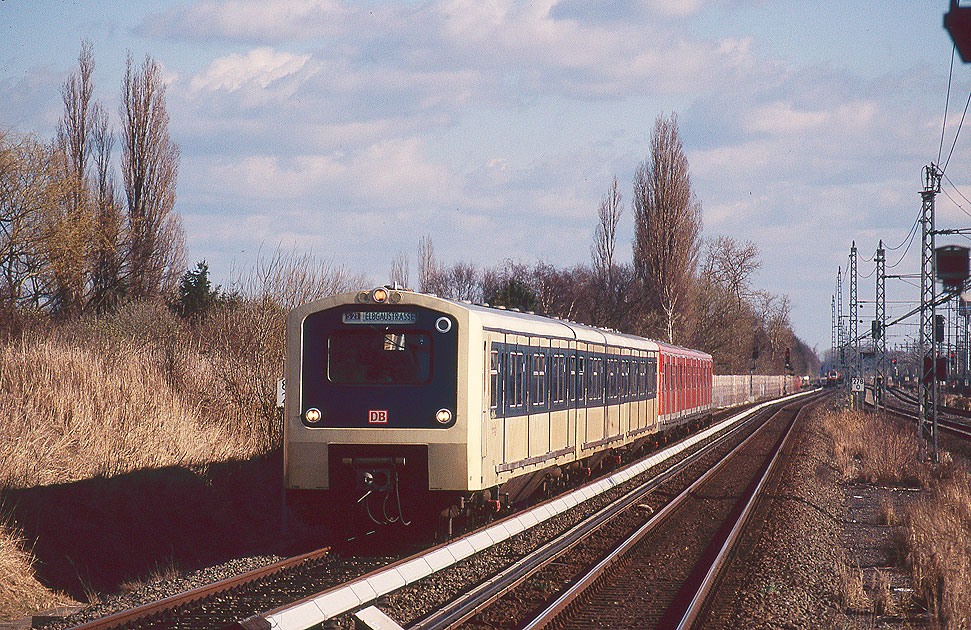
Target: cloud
x,y
248,20
781,117
389,173
259,68
468,40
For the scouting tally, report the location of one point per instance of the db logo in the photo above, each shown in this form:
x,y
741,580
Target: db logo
x,y
377,416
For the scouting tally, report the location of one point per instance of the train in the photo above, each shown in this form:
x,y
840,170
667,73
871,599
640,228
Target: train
x,y
404,407
832,378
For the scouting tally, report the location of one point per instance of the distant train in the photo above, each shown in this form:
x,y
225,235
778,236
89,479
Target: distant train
x,y
832,379
402,406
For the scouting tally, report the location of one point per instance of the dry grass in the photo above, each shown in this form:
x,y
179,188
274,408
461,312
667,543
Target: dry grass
x,y
939,546
881,595
888,514
69,413
143,389
937,541
873,449
20,592
852,595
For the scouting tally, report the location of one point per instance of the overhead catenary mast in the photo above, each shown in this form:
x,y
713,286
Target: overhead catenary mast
x,y
879,325
927,340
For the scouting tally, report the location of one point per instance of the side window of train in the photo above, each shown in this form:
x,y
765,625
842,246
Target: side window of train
x,y
513,366
559,379
592,378
609,375
538,380
581,383
571,378
520,379
494,380
652,377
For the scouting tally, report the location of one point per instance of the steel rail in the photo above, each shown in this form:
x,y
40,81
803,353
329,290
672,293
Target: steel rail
x,y
959,429
125,617
463,608
700,599
551,612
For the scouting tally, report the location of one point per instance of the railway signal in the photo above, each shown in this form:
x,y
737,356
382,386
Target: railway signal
x,y
952,265
957,22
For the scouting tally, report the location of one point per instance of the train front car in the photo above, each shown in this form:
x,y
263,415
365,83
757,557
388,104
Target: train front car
x,y
374,395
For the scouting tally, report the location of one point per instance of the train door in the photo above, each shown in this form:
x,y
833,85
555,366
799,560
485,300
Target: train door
x,y
560,407
612,396
572,409
491,405
662,379
515,401
538,429
579,395
596,412
623,392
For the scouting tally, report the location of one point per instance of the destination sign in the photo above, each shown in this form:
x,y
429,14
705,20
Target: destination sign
x,y
380,317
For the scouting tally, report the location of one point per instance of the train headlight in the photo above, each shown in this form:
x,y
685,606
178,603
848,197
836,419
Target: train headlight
x,y
312,415
444,416
379,295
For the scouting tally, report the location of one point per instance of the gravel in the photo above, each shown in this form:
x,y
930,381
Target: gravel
x,y
788,575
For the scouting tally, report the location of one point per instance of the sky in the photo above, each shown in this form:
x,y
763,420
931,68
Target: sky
x,y
349,130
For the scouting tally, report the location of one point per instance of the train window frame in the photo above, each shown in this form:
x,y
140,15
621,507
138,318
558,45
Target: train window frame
x,y
571,378
596,379
581,381
495,380
514,364
559,378
537,380
611,378
393,337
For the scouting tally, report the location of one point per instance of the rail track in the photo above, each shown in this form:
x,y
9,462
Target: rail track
x,y
959,428
666,562
308,590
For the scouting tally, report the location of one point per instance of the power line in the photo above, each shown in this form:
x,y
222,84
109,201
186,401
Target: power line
x,y
957,133
947,100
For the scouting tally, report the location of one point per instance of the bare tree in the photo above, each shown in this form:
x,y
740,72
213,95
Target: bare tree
x,y
399,270
732,266
289,279
29,193
461,281
72,226
150,164
605,312
427,269
106,275
605,237
667,224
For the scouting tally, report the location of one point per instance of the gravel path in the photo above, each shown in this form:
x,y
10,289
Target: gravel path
x,y
813,562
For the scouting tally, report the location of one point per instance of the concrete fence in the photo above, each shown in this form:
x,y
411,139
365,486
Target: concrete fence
x,y
729,391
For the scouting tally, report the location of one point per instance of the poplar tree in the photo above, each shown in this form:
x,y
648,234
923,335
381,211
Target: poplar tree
x,y
667,229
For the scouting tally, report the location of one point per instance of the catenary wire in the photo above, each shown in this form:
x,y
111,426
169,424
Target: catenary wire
x,y
956,134
947,100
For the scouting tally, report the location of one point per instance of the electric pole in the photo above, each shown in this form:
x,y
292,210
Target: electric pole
x,y
927,340
879,330
854,315
839,322
832,353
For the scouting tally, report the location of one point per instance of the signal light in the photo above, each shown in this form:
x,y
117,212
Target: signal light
x,y
312,415
379,295
444,416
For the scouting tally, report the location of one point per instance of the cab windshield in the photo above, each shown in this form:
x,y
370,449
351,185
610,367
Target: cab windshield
x,y
379,357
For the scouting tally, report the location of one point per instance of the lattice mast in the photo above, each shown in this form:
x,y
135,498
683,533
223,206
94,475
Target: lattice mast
x,y
839,321
927,340
854,315
879,328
